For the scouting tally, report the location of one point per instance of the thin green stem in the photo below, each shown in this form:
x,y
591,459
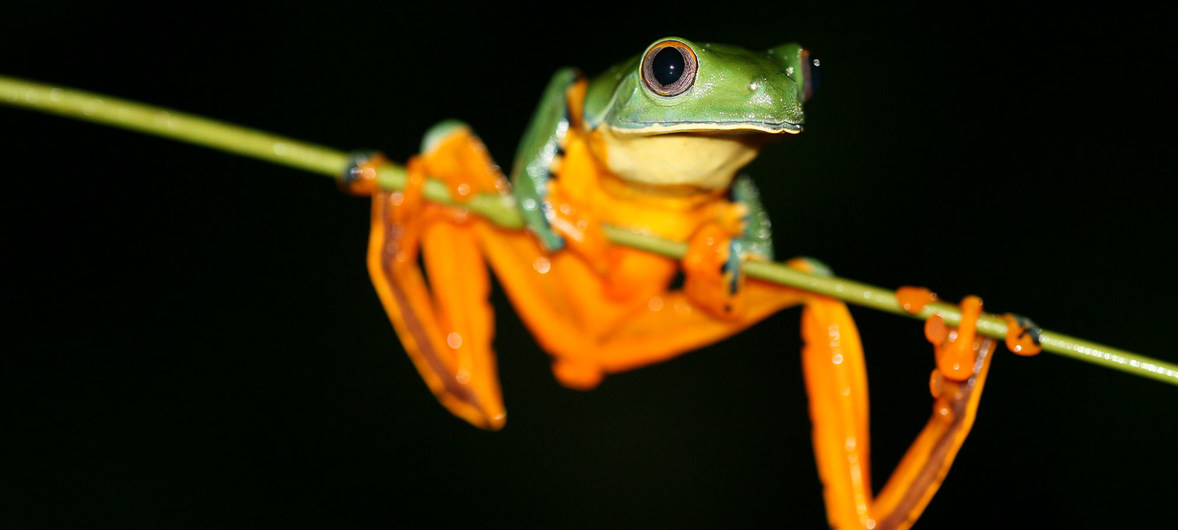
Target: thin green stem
x,y
501,209
172,124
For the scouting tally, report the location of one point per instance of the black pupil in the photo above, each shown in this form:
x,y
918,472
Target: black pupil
x,y
667,66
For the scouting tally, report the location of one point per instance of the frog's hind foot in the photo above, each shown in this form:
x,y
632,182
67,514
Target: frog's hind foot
x,y
836,380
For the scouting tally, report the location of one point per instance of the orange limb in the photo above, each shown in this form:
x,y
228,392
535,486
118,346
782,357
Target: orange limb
x,y
445,325
591,330
914,299
836,381
459,159
708,283
955,358
581,229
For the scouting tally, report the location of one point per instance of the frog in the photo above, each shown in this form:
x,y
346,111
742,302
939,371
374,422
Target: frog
x,y
655,144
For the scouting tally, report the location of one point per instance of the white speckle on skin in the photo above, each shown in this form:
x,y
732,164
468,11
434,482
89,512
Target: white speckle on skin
x,y
761,99
655,303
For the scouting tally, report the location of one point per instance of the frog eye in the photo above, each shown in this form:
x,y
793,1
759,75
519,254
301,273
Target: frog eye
x,y
669,68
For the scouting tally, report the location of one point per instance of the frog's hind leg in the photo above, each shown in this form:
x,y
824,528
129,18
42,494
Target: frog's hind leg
x,y
442,317
574,315
836,381
596,322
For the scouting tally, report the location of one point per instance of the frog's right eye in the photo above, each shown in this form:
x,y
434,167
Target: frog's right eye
x,y
669,68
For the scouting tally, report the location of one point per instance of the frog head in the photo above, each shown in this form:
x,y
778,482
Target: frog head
x,y
688,114
680,86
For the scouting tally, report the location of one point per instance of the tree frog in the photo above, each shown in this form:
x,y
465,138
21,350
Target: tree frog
x,y
654,144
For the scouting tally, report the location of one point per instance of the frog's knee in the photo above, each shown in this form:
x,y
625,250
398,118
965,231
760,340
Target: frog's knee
x,y
439,132
810,265
577,374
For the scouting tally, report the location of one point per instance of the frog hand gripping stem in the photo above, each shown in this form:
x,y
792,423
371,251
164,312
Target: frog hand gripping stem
x,y
653,144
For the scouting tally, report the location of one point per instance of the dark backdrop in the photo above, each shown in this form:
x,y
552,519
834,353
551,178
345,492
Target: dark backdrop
x,y
192,340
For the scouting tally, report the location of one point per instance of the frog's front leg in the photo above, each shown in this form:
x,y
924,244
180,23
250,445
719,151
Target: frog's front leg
x,y
735,230
445,323
836,381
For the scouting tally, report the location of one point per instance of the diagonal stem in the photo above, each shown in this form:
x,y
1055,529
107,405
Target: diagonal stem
x,y
501,209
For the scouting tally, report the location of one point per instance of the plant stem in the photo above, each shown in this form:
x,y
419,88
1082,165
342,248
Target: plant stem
x,y
501,209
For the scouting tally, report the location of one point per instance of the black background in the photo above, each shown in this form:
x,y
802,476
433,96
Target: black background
x,y
192,340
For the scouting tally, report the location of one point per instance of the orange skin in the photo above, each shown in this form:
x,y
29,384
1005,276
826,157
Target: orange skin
x,y
600,309
913,299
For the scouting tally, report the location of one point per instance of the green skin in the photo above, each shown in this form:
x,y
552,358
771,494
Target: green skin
x,y
735,91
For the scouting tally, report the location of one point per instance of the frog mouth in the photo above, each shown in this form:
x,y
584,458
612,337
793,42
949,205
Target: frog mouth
x,y
716,128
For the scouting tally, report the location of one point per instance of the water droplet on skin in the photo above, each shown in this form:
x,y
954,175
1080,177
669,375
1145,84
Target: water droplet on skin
x,y
655,303
454,340
542,265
